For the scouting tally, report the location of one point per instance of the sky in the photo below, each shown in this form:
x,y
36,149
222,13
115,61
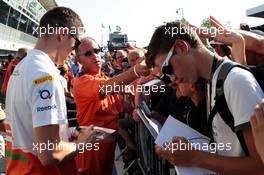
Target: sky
x,y
138,18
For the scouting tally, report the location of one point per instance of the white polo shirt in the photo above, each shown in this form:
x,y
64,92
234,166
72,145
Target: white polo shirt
x,y
35,98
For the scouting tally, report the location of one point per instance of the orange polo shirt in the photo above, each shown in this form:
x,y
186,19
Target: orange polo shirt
x,y
8,73
99,111
93,109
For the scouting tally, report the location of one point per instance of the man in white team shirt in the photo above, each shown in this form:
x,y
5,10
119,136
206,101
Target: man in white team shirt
x,y
35,103
179,52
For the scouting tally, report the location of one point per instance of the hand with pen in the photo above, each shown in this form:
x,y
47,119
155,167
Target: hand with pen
x,y
176,155
86,134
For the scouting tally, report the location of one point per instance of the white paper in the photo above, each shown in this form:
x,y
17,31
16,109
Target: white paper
x,y
145,107
151,124
104,132
173,127
152,82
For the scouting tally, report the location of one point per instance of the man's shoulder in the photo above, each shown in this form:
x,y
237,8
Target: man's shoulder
x,y
36,70
238,76
37,73
242,84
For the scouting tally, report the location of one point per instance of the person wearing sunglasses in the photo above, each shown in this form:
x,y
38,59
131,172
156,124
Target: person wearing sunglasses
x,y
177,50
99,103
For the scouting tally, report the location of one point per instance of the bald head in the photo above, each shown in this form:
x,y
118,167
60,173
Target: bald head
x,y
88,54
120,54
21,53
84,42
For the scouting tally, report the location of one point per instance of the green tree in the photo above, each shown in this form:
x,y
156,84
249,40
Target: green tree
x,y
183,21
206,23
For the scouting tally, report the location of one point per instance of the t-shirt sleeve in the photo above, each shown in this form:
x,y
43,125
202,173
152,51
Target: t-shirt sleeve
x,y
48,101
242,93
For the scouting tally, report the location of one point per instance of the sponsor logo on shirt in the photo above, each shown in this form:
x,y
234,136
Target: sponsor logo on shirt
x,y
46,108
43,80
45,94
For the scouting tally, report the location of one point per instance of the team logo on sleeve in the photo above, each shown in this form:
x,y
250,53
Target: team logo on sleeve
x,y
43,80
45,94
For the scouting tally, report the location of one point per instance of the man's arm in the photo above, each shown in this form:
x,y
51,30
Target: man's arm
x,y
124,78
233,165
257,123
59,150
233,38
253,42
221,164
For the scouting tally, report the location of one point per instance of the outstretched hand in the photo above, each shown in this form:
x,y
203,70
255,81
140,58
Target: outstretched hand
x,y
257,124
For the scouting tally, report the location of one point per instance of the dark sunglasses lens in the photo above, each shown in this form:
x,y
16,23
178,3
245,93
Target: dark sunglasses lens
x,y
97,51
165,79
167,70
77,43
88,53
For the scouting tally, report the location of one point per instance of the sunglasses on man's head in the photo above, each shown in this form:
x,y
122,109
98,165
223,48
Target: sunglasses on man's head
x,y
77,42
166,68
91,52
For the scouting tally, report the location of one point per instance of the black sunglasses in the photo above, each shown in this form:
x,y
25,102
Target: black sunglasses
x,y
166,68
165,78
91,52
77,41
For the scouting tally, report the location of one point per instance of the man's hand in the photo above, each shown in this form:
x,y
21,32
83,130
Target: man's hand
x,y
224,34
142,69
87,134
175,155
135,116
257,124
227,36
219,33
230,37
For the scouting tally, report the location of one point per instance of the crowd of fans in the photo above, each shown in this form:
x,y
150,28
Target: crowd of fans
x,y
71,69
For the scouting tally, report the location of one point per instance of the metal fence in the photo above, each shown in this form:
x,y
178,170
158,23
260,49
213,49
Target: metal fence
x,y
147,160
